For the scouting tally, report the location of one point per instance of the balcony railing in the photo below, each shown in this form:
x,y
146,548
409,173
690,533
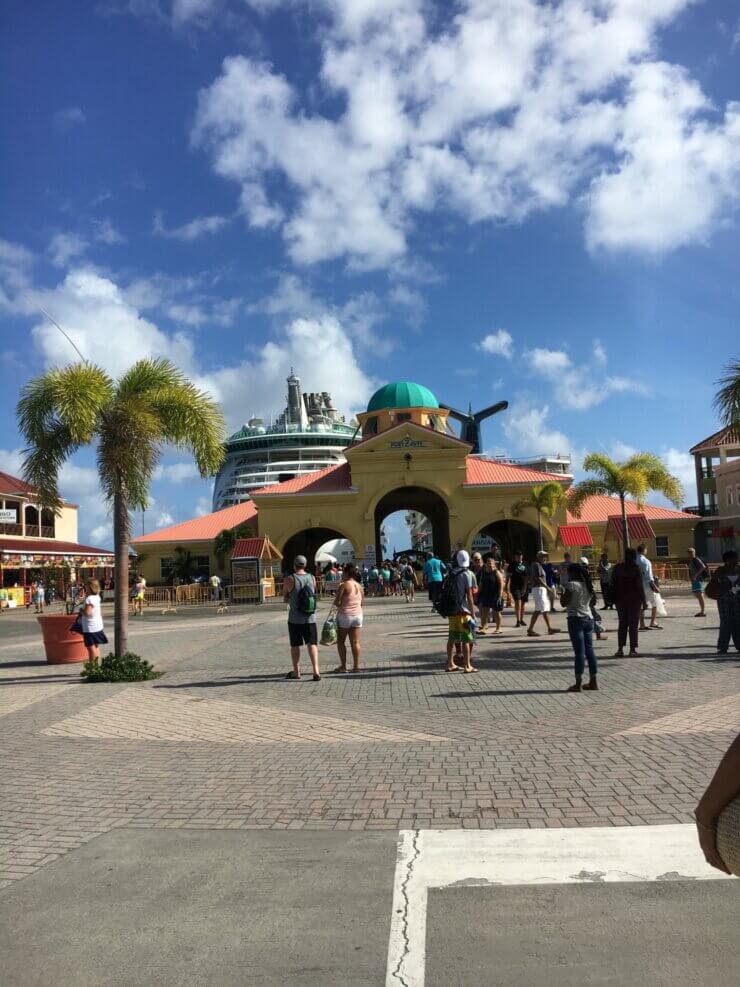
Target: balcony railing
x,y
47,531
11,529
711,510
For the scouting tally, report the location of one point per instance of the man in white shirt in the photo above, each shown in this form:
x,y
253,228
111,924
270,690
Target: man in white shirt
x,y
651,588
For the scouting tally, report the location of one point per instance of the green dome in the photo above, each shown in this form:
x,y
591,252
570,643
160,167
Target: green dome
x,y
402,394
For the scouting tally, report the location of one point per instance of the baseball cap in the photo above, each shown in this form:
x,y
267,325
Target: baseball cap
x,y
300,561
463,559
584,561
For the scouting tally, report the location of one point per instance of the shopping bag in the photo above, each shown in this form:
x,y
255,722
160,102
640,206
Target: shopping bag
x,y
329,630
660,606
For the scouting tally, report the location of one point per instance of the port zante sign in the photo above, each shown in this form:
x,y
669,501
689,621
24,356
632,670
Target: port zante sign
x,y
407,443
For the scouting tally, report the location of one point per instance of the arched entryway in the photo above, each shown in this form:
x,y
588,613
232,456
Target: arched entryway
x,y
510,536
307,542
425,502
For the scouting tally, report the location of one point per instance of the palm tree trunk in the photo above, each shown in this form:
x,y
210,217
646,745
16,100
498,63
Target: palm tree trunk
x,y
625,527
121,548
539,531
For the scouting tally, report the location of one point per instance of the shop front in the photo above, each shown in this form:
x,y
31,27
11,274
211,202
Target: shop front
x,y
57,565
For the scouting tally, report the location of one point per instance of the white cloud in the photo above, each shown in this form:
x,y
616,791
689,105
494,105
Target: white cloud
x,y
163,519
11,461
681,464
578,386
499,343
491,109
64,247
196,228
530,433
599,353
203,506
102,535
71,116
177,472
106,232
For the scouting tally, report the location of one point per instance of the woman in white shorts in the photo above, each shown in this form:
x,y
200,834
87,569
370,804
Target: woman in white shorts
x,y
348,602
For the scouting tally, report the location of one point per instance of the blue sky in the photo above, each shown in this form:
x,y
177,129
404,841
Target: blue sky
x,y
521,200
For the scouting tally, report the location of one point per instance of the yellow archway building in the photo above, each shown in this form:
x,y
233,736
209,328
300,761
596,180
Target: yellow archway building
x,y
407,459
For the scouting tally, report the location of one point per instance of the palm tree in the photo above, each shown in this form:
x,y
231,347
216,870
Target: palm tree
x,y
226,540
727,401
545,498
184,566
128,421
634,478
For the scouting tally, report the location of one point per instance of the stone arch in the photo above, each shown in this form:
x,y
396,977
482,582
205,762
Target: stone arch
x,y
307,541
509,534
423,499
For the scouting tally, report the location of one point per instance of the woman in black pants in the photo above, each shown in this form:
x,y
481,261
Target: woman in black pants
x,y
629,597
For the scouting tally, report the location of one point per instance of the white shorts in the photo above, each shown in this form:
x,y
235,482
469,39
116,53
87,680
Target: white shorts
x,y
541,599
650,597
348,621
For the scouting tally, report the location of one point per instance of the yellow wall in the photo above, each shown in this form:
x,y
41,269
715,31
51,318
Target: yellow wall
x,y
149,562
65,525
438,463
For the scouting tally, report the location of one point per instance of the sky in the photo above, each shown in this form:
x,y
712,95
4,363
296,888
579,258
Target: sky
x,y
501,199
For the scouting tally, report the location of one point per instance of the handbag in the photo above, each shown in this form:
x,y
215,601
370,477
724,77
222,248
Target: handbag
x,y
728,836
77,627
329,633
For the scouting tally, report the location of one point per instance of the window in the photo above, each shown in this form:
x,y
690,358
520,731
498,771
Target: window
x,y
404,416
729,495
203,563
737,493
371,426
661,547
165,567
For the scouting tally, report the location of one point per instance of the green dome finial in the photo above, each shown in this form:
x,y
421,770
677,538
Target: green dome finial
x,y
402,394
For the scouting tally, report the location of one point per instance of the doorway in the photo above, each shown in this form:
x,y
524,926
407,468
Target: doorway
x,y
431,508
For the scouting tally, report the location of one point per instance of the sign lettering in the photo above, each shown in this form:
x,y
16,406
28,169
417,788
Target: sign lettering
x,y
8,515
407,443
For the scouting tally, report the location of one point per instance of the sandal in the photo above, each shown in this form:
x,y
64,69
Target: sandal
x,y
292,675
317,678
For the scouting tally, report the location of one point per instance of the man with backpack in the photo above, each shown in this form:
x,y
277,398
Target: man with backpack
x,y
455,601
299,592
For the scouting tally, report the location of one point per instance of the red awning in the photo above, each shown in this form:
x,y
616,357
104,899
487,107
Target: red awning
x,y
638,527
574,535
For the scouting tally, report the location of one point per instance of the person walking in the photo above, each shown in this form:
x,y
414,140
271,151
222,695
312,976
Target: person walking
x,y
490,595
408,580
40,597
628,588
698,575
461,625
348,601
299,592
605,581
91,614
517,582
139,595
724,587
540,596
433,575
577,600
651,591
215,584
595,615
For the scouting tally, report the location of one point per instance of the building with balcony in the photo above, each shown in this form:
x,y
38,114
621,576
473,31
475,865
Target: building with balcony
x,y
717,463
37,543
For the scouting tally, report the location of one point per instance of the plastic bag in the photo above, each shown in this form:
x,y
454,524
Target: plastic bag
x,y
660,606
329,631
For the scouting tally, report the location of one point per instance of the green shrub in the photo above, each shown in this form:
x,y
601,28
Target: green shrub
x,y
128,668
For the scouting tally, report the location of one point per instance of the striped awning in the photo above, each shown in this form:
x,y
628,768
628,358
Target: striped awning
x,y
574,535
638,527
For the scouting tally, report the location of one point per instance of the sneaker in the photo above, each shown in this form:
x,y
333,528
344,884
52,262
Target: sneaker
x,y
576,687
592,685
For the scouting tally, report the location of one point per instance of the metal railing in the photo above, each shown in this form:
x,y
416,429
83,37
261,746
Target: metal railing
x,y
170,599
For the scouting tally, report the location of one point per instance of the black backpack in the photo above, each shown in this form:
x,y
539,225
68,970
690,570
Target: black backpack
x,y
306,598
452,595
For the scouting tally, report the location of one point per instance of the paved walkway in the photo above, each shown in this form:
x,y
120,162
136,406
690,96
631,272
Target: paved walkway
x,y
222,741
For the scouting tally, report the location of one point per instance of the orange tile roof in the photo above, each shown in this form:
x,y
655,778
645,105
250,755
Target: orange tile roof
x,y
331,479
202,528
13,485
484,472
49,546
601,507
725,437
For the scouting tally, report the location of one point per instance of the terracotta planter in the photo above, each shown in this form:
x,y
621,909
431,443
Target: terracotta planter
x,y
61,645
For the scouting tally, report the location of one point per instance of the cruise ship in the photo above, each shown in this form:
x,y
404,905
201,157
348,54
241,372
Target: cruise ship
x,y
309,435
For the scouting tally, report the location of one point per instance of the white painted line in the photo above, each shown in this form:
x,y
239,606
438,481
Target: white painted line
x,y
446,858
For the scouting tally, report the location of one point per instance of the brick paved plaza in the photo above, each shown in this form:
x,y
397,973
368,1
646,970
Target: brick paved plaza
x,y
222,741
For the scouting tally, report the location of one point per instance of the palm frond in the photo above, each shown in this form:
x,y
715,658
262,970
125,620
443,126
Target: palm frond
x,y
605,468
191,419
580,493
72,396
727,400
549,496
150,375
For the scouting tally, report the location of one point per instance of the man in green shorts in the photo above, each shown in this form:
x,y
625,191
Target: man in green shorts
x,y
461,626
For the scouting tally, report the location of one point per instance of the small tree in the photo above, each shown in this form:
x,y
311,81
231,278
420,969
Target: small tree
x,y
184,566
226,540
128,421
545,499
727,401
634,478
